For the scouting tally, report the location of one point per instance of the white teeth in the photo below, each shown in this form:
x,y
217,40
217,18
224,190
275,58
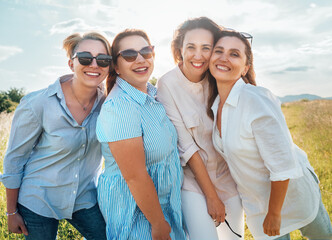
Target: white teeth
x,y
197,64
140,69
92,74
223,68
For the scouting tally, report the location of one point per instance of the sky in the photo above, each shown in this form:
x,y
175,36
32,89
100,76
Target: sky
x,y
292,40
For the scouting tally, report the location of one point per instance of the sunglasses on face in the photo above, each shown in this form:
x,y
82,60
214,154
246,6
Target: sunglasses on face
x,y
86,58
130,55
243,34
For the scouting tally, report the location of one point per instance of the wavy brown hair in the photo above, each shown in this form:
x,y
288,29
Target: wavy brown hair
x,y
248,78
190,24
115,50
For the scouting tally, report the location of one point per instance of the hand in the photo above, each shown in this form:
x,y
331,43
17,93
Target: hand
x,y
16,224
272,224
216,209
161,231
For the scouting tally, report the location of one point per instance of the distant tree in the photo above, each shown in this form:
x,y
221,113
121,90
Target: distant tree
x,y
153,81
15,94
10,99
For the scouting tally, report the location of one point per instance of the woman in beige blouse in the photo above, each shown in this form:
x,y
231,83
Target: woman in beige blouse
x,y
208,191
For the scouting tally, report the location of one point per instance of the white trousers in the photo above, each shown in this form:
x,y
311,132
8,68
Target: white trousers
x,y
199,223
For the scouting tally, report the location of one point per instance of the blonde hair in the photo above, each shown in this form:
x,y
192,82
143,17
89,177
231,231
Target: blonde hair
x,y
71,43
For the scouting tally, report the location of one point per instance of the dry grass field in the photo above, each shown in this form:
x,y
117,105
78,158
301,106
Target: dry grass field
x,y
310,123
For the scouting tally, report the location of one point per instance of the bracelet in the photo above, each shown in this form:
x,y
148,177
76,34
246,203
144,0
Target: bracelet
x,y
11,214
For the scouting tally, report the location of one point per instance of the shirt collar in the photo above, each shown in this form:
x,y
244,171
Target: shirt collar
x,y
136,94
234,95
55,88
232,98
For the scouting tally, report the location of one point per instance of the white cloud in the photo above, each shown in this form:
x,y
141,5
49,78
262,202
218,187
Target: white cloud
x,y
70,26
51,73
8,51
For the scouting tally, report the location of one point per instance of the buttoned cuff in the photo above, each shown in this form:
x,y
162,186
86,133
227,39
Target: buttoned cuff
x,y
185,156
11,181
289,174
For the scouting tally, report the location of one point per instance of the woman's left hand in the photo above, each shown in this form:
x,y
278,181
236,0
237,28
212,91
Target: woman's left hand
x,y
272,224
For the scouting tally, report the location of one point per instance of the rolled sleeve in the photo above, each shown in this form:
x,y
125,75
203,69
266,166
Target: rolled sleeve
x,y
186,144
274,142
24,134
119,119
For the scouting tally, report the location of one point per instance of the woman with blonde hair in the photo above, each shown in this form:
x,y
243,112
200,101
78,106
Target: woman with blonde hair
x,y
53,158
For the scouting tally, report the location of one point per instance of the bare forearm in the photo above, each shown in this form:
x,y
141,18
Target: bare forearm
x,y
145,195
277,196
12,196
202,177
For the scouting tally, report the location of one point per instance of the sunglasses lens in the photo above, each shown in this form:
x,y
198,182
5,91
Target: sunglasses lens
x,y
129,55
84,58
103,60
147,52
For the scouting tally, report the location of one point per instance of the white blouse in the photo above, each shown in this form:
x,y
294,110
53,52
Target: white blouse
x,y
185,103
258,149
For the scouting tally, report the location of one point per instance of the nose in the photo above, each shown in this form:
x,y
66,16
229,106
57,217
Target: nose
x,y
198,54
140,58
94,63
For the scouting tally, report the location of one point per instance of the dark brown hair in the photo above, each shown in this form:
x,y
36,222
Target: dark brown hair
x,y
115,50
190,24
248,78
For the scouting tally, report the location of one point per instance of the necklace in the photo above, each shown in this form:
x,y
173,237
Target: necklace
x,y
84,107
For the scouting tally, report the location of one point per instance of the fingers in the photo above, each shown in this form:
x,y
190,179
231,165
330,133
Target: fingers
x,y
24,229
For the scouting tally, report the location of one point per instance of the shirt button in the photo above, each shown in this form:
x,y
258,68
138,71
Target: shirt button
x,y
76,175
74,192
78,159
83,128
83,145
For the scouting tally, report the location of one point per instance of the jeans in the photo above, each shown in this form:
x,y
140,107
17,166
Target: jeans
x,y
319,229
89,222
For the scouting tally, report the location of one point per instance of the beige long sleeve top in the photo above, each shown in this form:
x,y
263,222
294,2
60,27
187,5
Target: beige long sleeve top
x,y
186,103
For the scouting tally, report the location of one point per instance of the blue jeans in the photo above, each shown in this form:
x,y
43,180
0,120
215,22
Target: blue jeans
x,y
319,229
89,222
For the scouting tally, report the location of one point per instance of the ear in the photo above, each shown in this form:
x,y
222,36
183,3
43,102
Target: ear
x,y
245,70
71,64
116,68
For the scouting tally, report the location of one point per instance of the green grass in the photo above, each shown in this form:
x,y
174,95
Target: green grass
x,y
310,123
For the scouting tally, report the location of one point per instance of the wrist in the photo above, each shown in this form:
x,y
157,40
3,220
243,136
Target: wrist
x,y
11,213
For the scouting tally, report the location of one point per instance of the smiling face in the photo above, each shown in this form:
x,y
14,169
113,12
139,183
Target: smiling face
x,y
91,75
138,72
228,61
196,51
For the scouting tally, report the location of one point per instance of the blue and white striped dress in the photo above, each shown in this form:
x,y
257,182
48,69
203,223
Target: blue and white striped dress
x,y
129,113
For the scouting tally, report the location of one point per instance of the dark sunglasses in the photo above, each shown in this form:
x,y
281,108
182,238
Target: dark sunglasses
x,y
130,55
86,58
218,223
243,34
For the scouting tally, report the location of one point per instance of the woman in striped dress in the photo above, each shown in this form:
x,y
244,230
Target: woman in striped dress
x,y
139,192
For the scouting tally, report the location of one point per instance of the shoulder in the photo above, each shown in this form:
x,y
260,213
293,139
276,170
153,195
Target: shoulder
x,y
168,79
258,95
118,101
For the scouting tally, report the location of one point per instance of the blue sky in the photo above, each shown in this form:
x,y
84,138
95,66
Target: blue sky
x,y
292,39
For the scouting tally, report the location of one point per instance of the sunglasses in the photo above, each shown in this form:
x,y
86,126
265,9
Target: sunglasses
x,y
218,223
130,55
86,58
243,34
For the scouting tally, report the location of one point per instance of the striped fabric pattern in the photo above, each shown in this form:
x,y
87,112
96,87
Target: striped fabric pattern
x,y
128,113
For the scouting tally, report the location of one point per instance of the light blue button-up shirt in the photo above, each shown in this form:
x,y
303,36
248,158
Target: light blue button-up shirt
x,y
52,159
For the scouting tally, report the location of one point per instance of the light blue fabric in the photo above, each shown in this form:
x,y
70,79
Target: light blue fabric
x,y
52,159
128,113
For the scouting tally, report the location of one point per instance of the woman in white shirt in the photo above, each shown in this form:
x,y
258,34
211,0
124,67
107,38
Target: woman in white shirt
x,y
208,189
277,185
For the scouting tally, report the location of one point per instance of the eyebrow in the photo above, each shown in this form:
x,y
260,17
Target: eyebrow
x,y
204,45
232,49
